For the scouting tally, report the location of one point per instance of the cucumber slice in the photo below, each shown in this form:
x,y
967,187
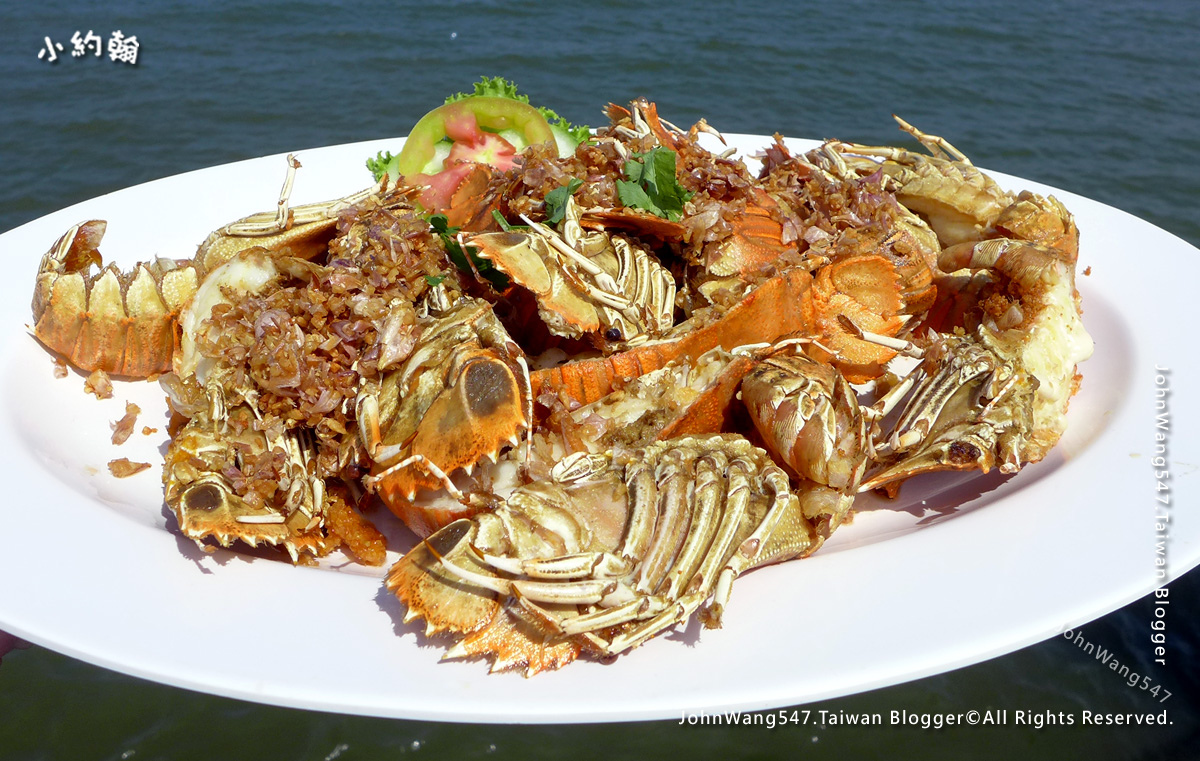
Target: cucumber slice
x,y
565,142
441,150
514,138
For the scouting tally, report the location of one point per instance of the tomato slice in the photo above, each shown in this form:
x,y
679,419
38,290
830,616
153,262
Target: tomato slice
x,y
472,123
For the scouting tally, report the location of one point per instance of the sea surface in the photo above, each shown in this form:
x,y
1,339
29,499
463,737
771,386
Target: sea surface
x,y
1099,98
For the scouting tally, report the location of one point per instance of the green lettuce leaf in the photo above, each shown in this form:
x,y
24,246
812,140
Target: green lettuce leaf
x,y
383,163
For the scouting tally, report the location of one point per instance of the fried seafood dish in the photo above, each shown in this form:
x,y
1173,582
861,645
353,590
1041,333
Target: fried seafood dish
x,y
600,373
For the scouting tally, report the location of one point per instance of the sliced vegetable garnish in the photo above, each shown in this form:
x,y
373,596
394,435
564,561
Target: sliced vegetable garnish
x,y
489,126
474,123
652,185
567,135
447,150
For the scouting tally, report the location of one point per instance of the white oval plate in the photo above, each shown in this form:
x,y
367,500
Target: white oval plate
x,y
92,567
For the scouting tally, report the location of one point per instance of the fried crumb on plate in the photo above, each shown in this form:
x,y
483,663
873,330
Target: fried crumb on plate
x,y
98,383
123,428
124,468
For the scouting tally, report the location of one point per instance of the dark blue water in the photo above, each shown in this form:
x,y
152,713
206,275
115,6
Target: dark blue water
x,y
1100,98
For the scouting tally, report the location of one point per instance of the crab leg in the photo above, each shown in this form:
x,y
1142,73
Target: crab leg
x,y
737,500
634,636
938,146
603,565
755,546
421,459
634,610
914,425
643,492
672,523
704,525
580,591
884,405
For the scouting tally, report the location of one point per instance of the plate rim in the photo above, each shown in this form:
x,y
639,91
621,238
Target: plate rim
x,y
282,694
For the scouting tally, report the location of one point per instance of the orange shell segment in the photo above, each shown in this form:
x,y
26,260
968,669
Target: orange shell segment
x,y
476,417
865,289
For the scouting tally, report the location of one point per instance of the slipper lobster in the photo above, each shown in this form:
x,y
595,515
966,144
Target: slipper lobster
x,y
678,371
610,551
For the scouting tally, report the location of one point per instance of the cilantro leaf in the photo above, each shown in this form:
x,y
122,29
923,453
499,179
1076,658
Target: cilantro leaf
x,y
651,184
634,196
634,169
466,259
556,200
